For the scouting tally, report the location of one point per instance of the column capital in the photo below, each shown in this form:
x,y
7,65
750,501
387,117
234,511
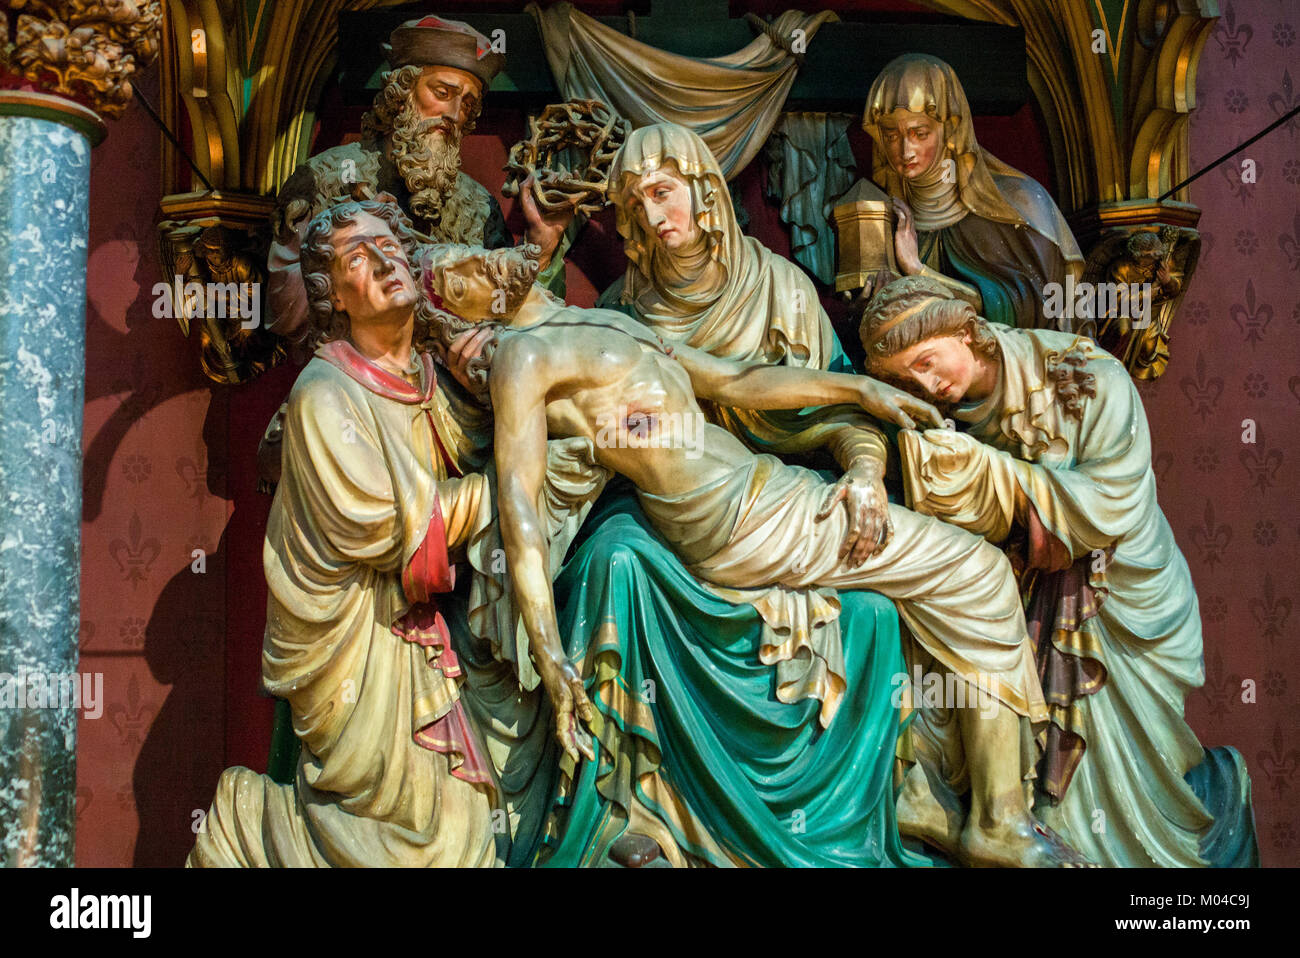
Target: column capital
x,y
46,106
84,50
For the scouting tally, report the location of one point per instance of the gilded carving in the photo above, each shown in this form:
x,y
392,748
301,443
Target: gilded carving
x,y
215,274
84,49
1158,259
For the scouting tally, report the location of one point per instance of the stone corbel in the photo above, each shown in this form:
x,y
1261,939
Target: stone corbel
x,y
1140,253
214,249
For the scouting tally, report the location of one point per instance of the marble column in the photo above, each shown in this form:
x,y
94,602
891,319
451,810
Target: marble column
x,y
45,144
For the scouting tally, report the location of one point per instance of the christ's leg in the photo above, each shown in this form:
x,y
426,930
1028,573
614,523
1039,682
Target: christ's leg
x,y
953,590
927,809
959,598
1000,830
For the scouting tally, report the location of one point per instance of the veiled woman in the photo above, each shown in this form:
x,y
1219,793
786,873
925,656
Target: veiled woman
x,y
734,728
695,278
985,230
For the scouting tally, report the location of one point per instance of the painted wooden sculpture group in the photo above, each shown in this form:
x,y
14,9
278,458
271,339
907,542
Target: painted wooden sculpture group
x,y
627,586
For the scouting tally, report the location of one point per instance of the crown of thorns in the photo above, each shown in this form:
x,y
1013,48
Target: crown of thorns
x,y
568,153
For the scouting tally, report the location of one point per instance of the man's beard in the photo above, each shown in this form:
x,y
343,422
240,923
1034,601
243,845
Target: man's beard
x,y
427,155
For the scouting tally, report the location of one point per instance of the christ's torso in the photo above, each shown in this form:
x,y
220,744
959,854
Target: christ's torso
x,y
612,382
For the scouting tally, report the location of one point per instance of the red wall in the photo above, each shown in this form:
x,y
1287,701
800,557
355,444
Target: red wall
x,y
154,490
1232,505
169,468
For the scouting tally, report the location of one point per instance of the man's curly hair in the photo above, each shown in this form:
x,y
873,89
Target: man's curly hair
x,y
317,253
513,270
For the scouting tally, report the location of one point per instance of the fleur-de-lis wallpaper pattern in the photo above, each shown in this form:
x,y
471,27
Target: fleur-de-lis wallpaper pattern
x,y
169,466
155,629
1236,357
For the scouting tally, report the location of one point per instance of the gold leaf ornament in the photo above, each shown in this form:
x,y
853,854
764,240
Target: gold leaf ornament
x,y
85,50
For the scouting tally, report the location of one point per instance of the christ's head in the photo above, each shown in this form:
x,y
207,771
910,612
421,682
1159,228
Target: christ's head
x,y
469,286
920,337
480,285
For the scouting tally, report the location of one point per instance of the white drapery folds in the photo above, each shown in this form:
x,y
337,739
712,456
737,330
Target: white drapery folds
x,y
732,102
1089,480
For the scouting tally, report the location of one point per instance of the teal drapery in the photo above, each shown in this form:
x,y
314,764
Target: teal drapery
x,y
764,780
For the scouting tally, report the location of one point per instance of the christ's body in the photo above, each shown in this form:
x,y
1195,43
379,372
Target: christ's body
x,y
738,519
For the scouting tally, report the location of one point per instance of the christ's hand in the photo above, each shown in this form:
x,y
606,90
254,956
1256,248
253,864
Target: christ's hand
x,y
564,686
862,491
890,404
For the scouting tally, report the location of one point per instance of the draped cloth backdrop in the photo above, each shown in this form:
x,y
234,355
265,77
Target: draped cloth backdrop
x,y
732,102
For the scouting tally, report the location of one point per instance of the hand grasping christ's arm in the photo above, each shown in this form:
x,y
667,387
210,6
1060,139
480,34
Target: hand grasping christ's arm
x,y
519,385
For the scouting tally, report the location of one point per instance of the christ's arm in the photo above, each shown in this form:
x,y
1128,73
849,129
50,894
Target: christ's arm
x,y
519,383
860,452
750,385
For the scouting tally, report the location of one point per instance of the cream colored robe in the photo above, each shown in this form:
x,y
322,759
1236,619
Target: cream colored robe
x,y
358,491
955,592
1090,481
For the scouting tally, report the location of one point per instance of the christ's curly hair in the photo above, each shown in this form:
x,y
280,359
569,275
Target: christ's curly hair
x,y
512,270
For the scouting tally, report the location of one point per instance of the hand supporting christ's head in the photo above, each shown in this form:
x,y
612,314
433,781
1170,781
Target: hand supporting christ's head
x,y
468,287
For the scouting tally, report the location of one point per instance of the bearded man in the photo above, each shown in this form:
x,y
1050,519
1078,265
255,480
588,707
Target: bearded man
x,y
410,149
